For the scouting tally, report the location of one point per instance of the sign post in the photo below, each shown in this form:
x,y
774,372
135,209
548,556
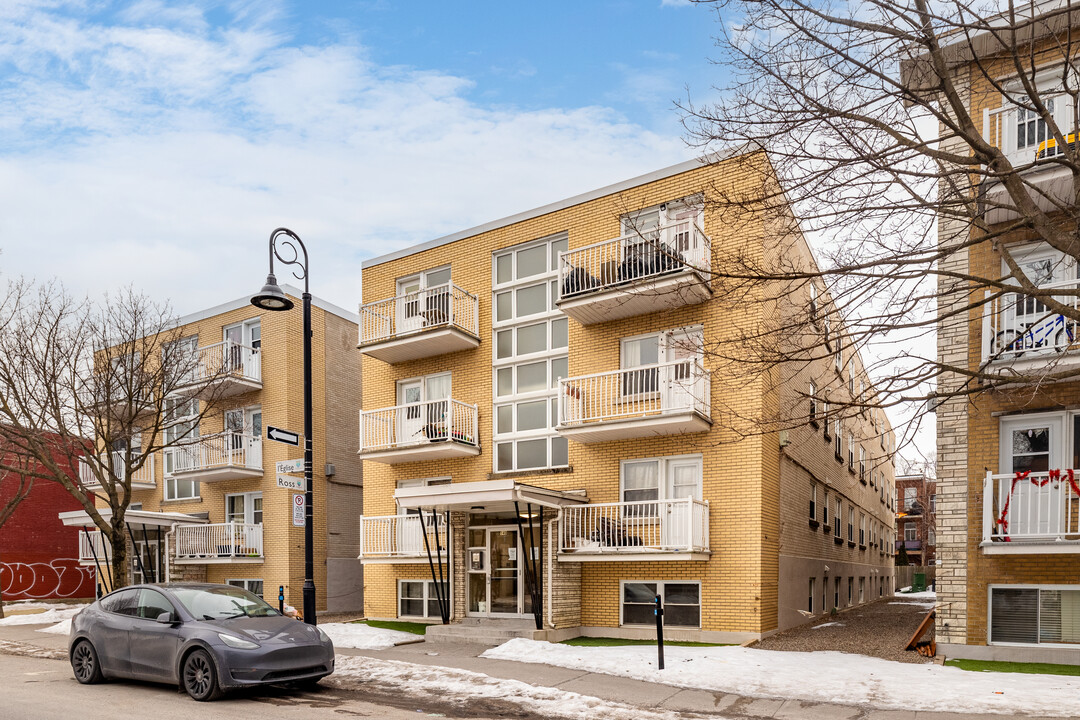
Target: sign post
x,y
659,633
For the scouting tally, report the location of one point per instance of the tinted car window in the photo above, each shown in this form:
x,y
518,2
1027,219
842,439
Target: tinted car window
x,y
220,603
122,602
151,604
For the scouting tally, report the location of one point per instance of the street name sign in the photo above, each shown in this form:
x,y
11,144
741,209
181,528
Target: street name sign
x,y
298,510
290,482
283,436
290,466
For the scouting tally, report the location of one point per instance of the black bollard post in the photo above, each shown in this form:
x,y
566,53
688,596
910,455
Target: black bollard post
x,y
659,633
281,599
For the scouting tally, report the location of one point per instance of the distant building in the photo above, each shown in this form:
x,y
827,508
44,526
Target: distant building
x,y
916,504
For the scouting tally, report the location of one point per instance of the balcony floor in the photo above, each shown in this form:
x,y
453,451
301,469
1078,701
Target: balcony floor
x,y
428,342
219,474
224,387
421,451
635,556
1049,546
216,560
674,423
648,295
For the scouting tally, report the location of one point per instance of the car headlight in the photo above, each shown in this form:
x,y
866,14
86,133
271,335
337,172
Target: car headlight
x,y
322,634
233,641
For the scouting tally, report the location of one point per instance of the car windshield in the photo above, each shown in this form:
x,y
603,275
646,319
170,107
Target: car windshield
x,y
222,603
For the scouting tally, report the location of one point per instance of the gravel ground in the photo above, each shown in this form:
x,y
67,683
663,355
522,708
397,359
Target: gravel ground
x,y
880,629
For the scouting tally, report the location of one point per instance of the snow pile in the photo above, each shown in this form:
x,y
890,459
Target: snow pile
x,y
60,628
830,677
51,615
364,637
464,686
828,624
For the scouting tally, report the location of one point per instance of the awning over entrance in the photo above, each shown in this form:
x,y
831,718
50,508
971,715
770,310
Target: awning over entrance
x,y
488,496
80,518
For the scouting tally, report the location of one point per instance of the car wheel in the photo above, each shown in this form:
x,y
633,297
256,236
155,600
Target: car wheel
x,y
84,662
200,677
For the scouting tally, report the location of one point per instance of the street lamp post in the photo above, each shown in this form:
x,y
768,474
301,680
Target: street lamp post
x,y
272,298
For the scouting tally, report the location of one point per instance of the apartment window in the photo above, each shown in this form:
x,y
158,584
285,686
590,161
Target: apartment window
x,y
1031,128
812,393
837,519
862,589
862,465
909,497
931,537
838,357
244,508
862,529
1047,614
419,598
851,452
531,340
651,479
838,448
182,355
825,419
813,502
850,590
825,510
252,585
851,377
181,430
682,603
836,593
933,503
851,523
810,599
910,532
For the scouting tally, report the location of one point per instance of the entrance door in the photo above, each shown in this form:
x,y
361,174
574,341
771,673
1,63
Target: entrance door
x,y
410,421
504,582
253,426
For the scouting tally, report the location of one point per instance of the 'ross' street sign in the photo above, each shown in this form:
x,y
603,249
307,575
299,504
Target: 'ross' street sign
x,y
290,482
298,510
290,466
283,436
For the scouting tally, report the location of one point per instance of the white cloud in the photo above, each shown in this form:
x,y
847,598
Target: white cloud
x,y
163,153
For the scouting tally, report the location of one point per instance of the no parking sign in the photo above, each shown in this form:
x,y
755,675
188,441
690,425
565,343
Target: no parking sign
x,y
298,510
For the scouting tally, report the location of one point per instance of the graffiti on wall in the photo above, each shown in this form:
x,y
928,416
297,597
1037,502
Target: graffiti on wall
x,y
61,578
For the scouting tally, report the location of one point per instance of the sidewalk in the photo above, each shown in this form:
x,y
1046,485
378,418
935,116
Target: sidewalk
x,y
653,696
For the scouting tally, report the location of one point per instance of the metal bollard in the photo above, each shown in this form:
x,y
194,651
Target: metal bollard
x,y
659,611
281,599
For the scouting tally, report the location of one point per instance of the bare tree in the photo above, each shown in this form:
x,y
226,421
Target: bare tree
x,y
910,138
90,391
15,486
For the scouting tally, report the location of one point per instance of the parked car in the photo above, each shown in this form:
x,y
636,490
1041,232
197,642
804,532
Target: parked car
x,y
204,638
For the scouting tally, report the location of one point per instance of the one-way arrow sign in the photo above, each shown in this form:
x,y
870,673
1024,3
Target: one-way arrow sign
x,y
283,436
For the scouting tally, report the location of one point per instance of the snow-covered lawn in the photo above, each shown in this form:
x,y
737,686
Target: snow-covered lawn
x,y
364,637
464,686
819,677
61,628
41,613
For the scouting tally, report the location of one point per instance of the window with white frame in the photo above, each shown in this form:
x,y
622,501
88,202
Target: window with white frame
x,y
838,518
862,589
423,299
851,523
530,356
681,600
420,598
424,408
813,501
851,451
812,394
665,478
1035,615
910,532
931,537
810,599
653,353
825,509
909,497
826,422
244,508
838,445
862,528
933,502
252,585
182,355
181,430
862,465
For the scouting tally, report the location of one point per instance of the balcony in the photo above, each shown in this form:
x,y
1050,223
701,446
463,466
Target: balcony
x,y
1019,333
909,545
434,321
636,274
225,369
646,530
1050,183
1035,514
142,479
219,543
664,399
225,456
94,543
401,538
429,430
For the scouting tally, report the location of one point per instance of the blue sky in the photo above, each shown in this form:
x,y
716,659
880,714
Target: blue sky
x,y
157,143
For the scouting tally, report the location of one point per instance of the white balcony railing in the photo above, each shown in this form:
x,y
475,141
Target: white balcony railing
x,y
143,476
94,543
1018,326
1025,139
632,258
663,388
222,540
401,536
440,306
1042,507
419,423
227,359
680,525
224,450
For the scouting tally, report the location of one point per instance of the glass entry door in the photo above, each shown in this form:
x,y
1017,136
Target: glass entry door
x,y
495,582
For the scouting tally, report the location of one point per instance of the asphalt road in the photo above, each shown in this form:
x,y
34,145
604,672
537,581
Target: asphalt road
x,y
33,688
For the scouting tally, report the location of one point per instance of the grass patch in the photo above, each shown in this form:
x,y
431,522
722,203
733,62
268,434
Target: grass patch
x,y
1014,667
410,627
617,642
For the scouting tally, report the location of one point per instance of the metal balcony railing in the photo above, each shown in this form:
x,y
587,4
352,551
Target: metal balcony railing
x,y
415,424
439,306
222,540
680,525
679,386
1042,507
1018,326
224,450
1025,139
631,258
401,536
224,360
144,475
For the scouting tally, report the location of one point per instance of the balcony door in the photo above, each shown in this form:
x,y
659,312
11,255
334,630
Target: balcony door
x,y
243,345
423,407
1032,444
674,383
245,439
422,299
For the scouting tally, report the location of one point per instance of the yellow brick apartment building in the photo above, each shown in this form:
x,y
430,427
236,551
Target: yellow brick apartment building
x,y
210,509
544,444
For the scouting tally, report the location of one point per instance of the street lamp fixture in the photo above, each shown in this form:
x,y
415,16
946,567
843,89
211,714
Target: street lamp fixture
x,y
272,298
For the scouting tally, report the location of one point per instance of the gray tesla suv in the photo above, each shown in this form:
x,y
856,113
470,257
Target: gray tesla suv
x,y
205,638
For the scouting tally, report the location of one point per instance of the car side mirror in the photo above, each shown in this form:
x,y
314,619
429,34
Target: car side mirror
x,y
166,618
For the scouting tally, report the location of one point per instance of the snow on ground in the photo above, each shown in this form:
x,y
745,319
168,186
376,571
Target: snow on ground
x,y
464,686
61,628
832,677
51,616
924,595
924,605
364,637
20,605
828,624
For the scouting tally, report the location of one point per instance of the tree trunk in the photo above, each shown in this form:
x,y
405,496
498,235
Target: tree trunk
x,y
119,560
1,602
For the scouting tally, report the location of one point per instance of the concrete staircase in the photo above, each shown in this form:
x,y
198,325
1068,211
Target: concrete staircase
x,y
486,631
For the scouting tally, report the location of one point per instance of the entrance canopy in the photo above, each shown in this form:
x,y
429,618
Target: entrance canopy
x,y
487,496
80,518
